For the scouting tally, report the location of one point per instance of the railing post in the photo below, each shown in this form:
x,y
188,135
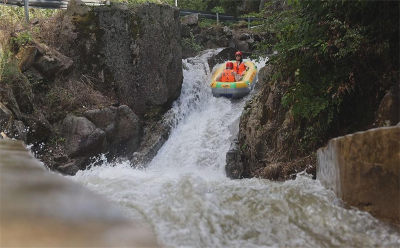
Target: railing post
x,y
27,11
176,3
217,18
249,22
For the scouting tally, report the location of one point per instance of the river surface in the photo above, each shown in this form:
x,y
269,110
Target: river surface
x,y
189,202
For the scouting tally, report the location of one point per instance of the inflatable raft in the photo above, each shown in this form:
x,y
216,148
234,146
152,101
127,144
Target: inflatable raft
x,y
234,89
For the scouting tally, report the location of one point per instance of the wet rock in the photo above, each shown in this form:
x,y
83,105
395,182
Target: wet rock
x,y
190,20
39,129
234,165
70,168
43,209
363,170
154,138
82,137
6,118
122,127
222,56
19,131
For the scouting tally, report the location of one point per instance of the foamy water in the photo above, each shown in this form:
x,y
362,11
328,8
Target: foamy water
x,y
187,199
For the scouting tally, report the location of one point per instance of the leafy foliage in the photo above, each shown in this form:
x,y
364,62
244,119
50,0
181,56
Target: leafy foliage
x,y
191,43
340,56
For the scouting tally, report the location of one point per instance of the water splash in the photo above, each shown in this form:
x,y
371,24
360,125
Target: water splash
x,y
186,197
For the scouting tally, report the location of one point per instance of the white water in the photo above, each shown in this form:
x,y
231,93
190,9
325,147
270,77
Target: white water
x,y
186,197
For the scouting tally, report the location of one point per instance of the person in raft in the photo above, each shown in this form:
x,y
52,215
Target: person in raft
x,y
239,66
228,75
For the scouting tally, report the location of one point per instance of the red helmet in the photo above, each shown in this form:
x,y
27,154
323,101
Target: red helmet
x,y
229,65
239,53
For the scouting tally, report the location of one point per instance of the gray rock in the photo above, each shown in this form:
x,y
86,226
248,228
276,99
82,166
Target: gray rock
x,y
50,62
185,31
227,32
82,137
121,125
155,137
244,36
138,49
190,20
19,131
234,166
6,118
39,129
388,113
243,46
250,42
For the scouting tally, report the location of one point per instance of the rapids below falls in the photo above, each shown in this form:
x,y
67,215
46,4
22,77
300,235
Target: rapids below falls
x,y
187,199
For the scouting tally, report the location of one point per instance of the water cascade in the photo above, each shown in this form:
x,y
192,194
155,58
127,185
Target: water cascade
x,y
185,196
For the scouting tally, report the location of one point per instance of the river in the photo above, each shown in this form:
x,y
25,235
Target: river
x,y
189,202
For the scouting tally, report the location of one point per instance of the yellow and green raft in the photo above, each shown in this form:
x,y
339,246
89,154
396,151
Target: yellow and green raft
x,y
234,89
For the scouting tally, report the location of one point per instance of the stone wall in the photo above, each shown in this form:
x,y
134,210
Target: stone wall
x,y
363,169
43,209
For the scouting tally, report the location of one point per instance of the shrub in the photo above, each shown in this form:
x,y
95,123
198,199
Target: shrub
x,y
341,56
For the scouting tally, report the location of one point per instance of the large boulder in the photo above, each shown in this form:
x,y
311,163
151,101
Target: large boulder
x,y
363,170
191,20
50,62
133,52
82,137
122,127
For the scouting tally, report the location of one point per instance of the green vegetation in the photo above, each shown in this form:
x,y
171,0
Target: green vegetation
x,y
339,56
191,43
12,15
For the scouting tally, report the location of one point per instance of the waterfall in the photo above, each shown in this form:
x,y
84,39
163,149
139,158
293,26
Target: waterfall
x,y
189,202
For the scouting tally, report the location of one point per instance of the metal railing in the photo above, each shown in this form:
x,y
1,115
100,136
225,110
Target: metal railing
x,y
62,4
48,4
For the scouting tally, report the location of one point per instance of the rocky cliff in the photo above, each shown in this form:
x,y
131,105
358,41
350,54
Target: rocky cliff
x,y
90,81
273,144
268,144
133,52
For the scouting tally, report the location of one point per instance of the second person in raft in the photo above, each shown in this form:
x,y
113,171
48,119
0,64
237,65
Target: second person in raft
x,y
239,66
228,75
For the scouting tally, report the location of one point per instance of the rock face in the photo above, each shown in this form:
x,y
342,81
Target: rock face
x,y
388,113
363,169
43,209
135,52
82,137
268,144
122,128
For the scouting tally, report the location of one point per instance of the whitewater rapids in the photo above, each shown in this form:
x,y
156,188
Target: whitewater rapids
x,y
189,202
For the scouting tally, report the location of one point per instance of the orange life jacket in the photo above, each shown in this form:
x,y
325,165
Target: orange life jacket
x,y
227,76
239,69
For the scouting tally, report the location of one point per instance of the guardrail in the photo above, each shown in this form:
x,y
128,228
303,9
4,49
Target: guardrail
x,y
48,4
62,4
